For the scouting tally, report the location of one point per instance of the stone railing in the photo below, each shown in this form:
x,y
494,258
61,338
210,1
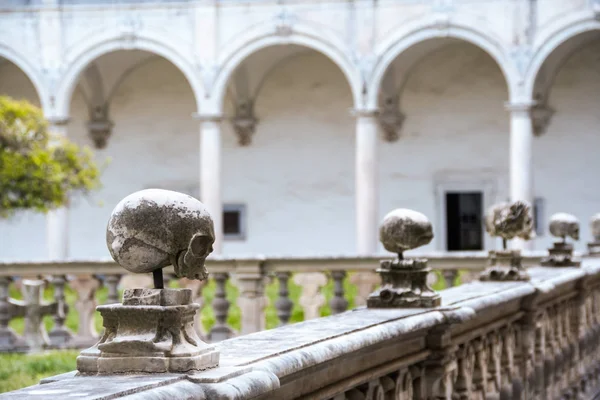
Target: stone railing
x,y
537,339
249,275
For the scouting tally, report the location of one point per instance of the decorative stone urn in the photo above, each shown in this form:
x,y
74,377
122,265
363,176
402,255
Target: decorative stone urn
x,y
404,281
152,331
508,221
562,225
594,247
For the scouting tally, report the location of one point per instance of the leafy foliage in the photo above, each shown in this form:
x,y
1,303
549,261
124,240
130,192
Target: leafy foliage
x,y
38,169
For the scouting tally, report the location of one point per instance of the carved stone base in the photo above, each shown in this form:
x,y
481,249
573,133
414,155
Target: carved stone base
x,y
404,284
561,255
505,265
594,248
152,331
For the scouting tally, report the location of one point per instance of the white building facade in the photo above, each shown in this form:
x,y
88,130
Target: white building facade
x,y
306,121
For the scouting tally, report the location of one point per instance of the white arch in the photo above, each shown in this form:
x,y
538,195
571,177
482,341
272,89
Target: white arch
x,y
264,36
550,43
32,73
87,51
427,29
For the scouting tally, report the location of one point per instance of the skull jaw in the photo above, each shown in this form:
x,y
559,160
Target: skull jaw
x,y
189,266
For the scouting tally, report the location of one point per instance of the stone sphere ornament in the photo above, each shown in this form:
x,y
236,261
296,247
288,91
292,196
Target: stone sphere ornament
x,y
563,225
154,228
404,281
508,221
152,330
404,229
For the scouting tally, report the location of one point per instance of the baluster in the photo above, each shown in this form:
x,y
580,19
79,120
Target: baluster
x,y
365,283
338,303
507,366
85,286
480,374
450,276
196,287
9,340
34,309
112,284
252,300
311,298
283,304
220,331
60,335
463,388
494,362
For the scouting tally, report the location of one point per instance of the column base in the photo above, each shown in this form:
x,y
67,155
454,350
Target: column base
x,y
404,285
505,265
151,332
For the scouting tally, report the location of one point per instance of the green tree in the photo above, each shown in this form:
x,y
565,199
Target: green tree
x,y
38,169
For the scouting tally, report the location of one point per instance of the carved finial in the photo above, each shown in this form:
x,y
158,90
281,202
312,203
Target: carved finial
x,y
153,330
562,225
594,246
404,281
508,221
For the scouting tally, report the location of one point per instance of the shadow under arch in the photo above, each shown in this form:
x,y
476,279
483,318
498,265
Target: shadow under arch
x,y
87,53
555,50
236,54
405,39
33,74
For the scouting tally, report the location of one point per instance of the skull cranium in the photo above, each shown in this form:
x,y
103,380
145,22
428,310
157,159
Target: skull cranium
x,y
154,228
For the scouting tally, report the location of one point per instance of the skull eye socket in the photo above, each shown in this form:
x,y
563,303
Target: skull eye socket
x,y
201,245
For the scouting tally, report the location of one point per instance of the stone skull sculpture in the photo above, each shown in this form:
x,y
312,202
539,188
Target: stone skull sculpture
x,y
404,229
564,225
595,225
510,220
154,228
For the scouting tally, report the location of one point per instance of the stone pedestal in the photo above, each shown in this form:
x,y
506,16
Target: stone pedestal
x,y
152,331
561,255
404,284
505,265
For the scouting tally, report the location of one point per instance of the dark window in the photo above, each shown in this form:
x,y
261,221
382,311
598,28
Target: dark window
x,y
234,221
464,225
231,223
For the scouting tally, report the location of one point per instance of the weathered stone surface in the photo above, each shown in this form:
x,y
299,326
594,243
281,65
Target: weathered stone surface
x,y
510,220
594,246
154,228
152,331
353,348
505,265
563,225
404,229
404,282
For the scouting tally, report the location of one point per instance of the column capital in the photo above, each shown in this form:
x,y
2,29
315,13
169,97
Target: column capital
x,y
361,112
522,106
207,117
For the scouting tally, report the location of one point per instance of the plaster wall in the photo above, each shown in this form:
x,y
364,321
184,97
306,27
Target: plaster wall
x,y
297,177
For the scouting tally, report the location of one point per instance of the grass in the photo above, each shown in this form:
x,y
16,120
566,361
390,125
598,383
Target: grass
x,y
21,370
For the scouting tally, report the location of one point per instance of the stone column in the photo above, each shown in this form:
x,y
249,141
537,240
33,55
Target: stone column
x,y
57,221
521,158
210,172
367,179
